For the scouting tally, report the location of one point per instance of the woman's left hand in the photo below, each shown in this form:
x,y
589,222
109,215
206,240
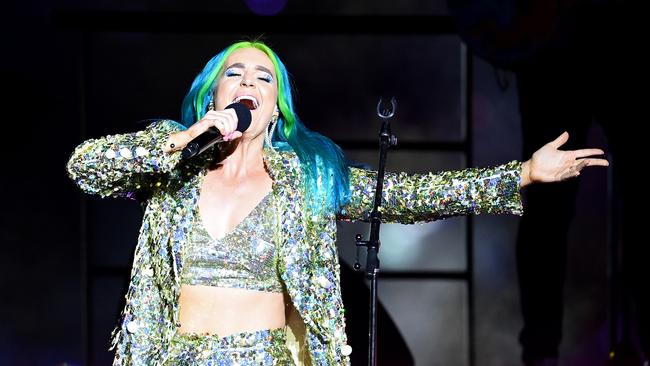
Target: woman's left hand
x,y
548,164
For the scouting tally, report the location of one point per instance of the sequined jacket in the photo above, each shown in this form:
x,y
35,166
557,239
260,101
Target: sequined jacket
x,y
121,165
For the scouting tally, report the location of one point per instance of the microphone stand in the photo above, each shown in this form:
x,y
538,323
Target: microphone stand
x,y
387,139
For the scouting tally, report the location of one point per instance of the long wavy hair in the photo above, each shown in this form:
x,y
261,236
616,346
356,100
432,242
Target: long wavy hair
x,y
325,168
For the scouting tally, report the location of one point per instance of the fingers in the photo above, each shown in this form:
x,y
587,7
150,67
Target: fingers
x,y
232,136
594,162
588,152
574,170
560,140
581,164
225,121
583,161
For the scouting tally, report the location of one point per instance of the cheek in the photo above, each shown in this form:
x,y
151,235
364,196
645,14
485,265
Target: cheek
x,y
222,101
222,94
271,94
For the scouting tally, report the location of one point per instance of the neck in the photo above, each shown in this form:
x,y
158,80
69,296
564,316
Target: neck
x,y
242,158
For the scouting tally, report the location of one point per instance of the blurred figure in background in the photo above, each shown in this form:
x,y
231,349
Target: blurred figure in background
x,y
574,64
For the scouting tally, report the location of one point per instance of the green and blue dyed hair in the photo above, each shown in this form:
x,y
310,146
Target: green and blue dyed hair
x,y
325,169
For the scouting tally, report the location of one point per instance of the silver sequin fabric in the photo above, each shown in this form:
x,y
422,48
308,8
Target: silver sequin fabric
x,y
134,165
244,258
259,348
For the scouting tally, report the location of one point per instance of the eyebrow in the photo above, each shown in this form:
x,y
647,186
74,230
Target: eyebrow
x,y
240,65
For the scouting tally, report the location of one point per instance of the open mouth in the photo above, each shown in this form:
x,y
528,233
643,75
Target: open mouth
x,y
249,101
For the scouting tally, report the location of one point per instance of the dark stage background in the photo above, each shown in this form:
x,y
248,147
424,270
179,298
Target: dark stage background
x,y
74,70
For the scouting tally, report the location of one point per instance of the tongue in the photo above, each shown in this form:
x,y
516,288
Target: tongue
x,y
248,103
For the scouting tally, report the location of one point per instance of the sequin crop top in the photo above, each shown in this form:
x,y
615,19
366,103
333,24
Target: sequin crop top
x,y
244,258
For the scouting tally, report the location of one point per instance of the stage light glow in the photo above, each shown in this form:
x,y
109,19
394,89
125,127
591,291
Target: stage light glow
x,y
266,7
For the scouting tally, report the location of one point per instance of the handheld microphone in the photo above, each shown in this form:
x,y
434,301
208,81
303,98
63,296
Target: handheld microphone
x,y
212,135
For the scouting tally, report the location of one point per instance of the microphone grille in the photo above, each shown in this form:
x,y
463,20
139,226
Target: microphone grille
x,y
243,116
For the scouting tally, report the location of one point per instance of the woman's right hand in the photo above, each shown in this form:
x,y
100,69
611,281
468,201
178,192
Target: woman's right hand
x,y
225,121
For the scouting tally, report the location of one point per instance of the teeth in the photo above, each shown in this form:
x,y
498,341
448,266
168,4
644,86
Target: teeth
x,y
248,97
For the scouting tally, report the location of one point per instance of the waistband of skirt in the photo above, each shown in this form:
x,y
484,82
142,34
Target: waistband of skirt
x,y
264,337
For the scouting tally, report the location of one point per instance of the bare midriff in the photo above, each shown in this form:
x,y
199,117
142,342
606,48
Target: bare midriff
x,y
224,311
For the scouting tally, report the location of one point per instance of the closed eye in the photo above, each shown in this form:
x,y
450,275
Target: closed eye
x,y
232,72
266,78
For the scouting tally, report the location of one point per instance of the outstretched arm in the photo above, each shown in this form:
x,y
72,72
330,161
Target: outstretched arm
x,y
549,164
410,198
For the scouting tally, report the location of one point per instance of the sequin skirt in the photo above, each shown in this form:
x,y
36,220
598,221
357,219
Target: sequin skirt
x,y
259,348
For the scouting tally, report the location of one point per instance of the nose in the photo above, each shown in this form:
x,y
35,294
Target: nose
x,y
247,80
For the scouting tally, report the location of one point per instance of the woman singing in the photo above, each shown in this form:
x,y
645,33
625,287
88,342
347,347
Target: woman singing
x,y
236,260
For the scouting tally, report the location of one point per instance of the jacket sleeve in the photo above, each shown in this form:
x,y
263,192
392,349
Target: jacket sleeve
x,y
411,198
121,165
